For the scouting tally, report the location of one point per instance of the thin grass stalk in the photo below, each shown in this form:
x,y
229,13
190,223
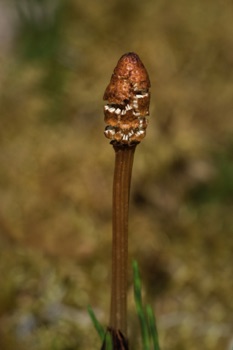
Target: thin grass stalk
x,y
99,328
152,328
139,308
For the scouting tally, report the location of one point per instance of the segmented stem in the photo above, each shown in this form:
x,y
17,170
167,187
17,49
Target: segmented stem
x,y
124,155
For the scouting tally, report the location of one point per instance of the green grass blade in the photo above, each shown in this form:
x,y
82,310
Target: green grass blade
x,y
108,341
139,307
152,327
99,328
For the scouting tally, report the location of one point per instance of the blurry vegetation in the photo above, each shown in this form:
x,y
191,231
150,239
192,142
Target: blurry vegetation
x,y
56,170
39,40
220,189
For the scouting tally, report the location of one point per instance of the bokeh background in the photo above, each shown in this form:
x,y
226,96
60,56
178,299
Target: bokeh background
x,y
56,171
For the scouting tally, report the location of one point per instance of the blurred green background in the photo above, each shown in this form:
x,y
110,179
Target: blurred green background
x,y
56,170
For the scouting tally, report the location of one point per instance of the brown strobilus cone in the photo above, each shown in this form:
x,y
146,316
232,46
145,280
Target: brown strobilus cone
x,y
126,112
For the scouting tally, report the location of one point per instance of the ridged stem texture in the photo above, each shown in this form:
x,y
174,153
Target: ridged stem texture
x,y
124,155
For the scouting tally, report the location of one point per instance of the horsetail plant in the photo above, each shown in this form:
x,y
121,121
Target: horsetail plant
x,y
127,107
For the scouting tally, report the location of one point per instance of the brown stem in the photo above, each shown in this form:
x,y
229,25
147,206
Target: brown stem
x,y
124,155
